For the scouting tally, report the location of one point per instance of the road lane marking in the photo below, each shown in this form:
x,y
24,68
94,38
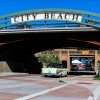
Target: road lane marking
x,y
96,94
41,93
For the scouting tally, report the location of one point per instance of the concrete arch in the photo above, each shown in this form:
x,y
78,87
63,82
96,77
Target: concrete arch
x,y
19,41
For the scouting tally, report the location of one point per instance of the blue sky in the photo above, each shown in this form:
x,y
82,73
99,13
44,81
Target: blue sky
x,y
13,6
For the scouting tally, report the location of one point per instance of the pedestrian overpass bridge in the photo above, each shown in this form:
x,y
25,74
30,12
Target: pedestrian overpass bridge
x,y
26,33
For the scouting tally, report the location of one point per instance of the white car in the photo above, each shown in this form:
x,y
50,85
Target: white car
x,y
55,69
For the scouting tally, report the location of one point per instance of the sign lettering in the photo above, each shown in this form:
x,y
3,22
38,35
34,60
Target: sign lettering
x,y
46,16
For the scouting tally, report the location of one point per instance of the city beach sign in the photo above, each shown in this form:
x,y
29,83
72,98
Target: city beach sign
x,y
36,16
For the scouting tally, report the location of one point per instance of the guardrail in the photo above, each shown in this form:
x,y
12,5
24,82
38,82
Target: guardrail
x,y
88,19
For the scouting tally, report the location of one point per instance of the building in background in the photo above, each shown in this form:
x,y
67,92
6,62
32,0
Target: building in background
x,y
87,57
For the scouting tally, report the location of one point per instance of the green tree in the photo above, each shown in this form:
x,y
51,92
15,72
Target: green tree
x,y
46,59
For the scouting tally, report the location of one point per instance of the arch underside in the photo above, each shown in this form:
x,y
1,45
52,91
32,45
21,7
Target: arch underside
x,y
34,42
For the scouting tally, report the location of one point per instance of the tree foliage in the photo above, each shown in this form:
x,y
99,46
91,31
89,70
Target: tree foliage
x,y
46,59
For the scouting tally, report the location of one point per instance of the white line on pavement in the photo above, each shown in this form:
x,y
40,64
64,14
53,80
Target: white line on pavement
x,y
96,94
41,93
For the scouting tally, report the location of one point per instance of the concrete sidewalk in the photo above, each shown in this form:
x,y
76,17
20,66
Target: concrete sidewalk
x,y
98,98
11,74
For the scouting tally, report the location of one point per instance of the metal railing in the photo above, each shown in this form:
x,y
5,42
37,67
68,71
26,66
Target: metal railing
x,y
88,19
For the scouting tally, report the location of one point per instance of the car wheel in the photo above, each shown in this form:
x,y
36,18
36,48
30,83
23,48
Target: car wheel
x,y
66,75
60,75
45,75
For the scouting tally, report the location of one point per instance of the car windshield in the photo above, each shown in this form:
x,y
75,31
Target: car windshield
x,y
54,65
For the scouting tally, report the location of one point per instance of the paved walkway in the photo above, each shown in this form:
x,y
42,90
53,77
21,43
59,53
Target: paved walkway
x,y
35,87
98,98
7,74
